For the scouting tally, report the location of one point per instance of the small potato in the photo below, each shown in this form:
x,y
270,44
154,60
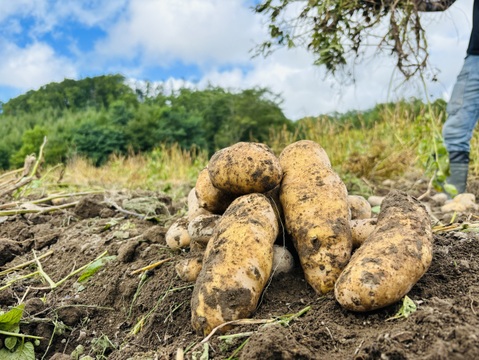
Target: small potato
x,y
395,256
202,227
245,168
283,261
361,229
237,264
194,209
177,236
188,269
209,197
359,206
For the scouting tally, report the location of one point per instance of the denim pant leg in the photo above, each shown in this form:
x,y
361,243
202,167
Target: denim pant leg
x,y
463,107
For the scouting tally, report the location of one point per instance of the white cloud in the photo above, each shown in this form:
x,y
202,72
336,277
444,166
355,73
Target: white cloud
x,y
216,35
191,31
33,66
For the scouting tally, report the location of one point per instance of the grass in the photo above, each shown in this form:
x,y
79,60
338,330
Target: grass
x,y
388,142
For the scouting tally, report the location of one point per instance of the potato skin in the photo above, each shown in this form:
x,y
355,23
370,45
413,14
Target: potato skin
x,y
188,269
395,256
237,264
245,168
209,197
194,209
177,236
316,211
359,206
361,229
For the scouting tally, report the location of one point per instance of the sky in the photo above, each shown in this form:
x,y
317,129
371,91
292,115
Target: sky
x,y
197,43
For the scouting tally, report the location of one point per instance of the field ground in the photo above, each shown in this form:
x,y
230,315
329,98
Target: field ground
x,y
118,314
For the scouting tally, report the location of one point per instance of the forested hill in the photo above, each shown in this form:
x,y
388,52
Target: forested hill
x,y
96,117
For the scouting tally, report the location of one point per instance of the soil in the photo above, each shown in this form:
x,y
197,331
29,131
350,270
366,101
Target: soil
x,y
119,314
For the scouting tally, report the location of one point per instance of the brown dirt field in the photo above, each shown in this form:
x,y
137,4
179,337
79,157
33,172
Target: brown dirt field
x,y
119,315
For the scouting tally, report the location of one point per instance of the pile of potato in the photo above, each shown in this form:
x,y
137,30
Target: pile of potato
x,y
248,199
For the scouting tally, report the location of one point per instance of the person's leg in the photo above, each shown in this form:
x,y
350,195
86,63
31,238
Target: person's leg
x,y
463,114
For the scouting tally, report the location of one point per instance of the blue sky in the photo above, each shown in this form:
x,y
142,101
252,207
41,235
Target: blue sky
x,y
200,42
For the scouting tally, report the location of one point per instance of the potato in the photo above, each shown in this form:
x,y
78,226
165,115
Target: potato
x,y
361,229
194,209
201,229
316,211
237,264
188,269
177,236
209,197
283,261
392,260
359,206
245,168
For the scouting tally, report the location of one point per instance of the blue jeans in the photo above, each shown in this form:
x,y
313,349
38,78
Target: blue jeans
x,y
463,107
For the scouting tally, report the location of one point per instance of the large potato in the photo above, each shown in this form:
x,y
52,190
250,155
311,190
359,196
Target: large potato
x,y
316,211
237,264
209,197
394,257
245,168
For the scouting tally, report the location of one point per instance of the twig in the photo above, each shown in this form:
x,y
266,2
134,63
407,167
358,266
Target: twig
x,y
358,348
429,188
32,174
8,333
9,283
43,273
152,266
120,209
46,209
11,173
20,266
52,197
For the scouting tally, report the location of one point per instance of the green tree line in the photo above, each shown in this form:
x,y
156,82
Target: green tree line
x,y
99,116
96,117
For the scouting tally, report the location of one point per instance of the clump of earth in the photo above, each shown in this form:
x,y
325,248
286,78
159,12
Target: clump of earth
x,y
121,312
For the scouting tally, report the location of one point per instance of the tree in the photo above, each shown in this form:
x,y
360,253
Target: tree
x,y
97,140
333,29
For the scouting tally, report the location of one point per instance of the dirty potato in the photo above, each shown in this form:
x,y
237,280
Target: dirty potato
x,y
209,197
359,206
316,211
395,256
237,264
245,168
177,236
361,229
188,269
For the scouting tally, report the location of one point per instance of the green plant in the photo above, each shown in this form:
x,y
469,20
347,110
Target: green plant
x,y
14,345
407,308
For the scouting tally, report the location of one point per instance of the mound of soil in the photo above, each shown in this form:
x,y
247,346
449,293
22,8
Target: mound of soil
x,y
119,313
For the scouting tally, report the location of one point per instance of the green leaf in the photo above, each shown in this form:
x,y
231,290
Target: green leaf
x,y
10,320
24,352
376,209
408,307
10,342
450,189
94,267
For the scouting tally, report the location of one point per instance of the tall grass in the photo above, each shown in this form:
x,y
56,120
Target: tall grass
x,y
165,169
401,141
